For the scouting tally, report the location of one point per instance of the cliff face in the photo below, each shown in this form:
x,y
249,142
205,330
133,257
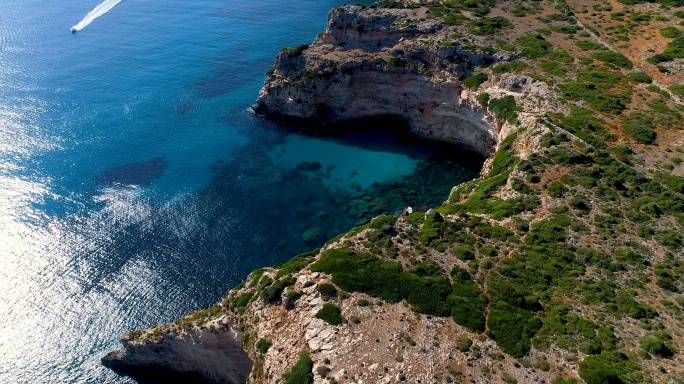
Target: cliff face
x,y
372,62
205,351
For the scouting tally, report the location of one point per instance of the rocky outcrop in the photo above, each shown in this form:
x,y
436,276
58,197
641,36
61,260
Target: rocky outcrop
x,y
370,63
190,355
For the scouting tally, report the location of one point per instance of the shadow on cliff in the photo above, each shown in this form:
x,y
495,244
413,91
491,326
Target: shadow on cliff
x,y
388,133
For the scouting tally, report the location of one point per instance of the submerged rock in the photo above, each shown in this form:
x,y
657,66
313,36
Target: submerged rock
x,y
135,173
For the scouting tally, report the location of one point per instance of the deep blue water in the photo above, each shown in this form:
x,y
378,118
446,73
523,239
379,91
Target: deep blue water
x,y
135,185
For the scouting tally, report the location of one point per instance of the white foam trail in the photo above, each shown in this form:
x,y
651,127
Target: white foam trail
x,y
98,11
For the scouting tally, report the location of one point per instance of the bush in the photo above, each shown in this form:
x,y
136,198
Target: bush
x,y
639,129
504,108
608,368
295,51
291,298
296,263
301,371
488,26
534,46
483,99
464,344
474,81
273,293
463,253
515,66
614,58
587,45
674,50
556,189
512,328
467,302
670,32
262,346
640,77
565,29
387,280
327,291
656,347
331,314
677,89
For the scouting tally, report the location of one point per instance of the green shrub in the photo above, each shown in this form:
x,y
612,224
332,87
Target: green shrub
x,y
296,263
614,58
504,108
397,62
483,99
674,50
552,68
556,189
467,302
656,347
640,77
639,17
464,344
598,99
607,368
242,300
512,328
273,293
565,29
677,89
561,56
295,51
534,46
639,128
515,66
263,345
387,280
670,32
488,26
301,371
463,253
587,45
291,298
474,81
331,314
327,291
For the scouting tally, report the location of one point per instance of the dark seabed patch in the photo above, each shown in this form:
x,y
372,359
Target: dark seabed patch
x,y
135,173
229,72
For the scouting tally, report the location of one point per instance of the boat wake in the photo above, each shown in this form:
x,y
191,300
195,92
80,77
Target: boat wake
x,y
98,11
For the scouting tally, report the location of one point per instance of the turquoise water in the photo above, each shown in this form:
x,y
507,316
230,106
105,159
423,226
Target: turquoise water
x,y
135,185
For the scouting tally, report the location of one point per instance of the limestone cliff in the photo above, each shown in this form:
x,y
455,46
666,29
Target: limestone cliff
x,y
378,62
198,348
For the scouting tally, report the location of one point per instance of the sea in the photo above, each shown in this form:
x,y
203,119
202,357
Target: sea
x,y
136,185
